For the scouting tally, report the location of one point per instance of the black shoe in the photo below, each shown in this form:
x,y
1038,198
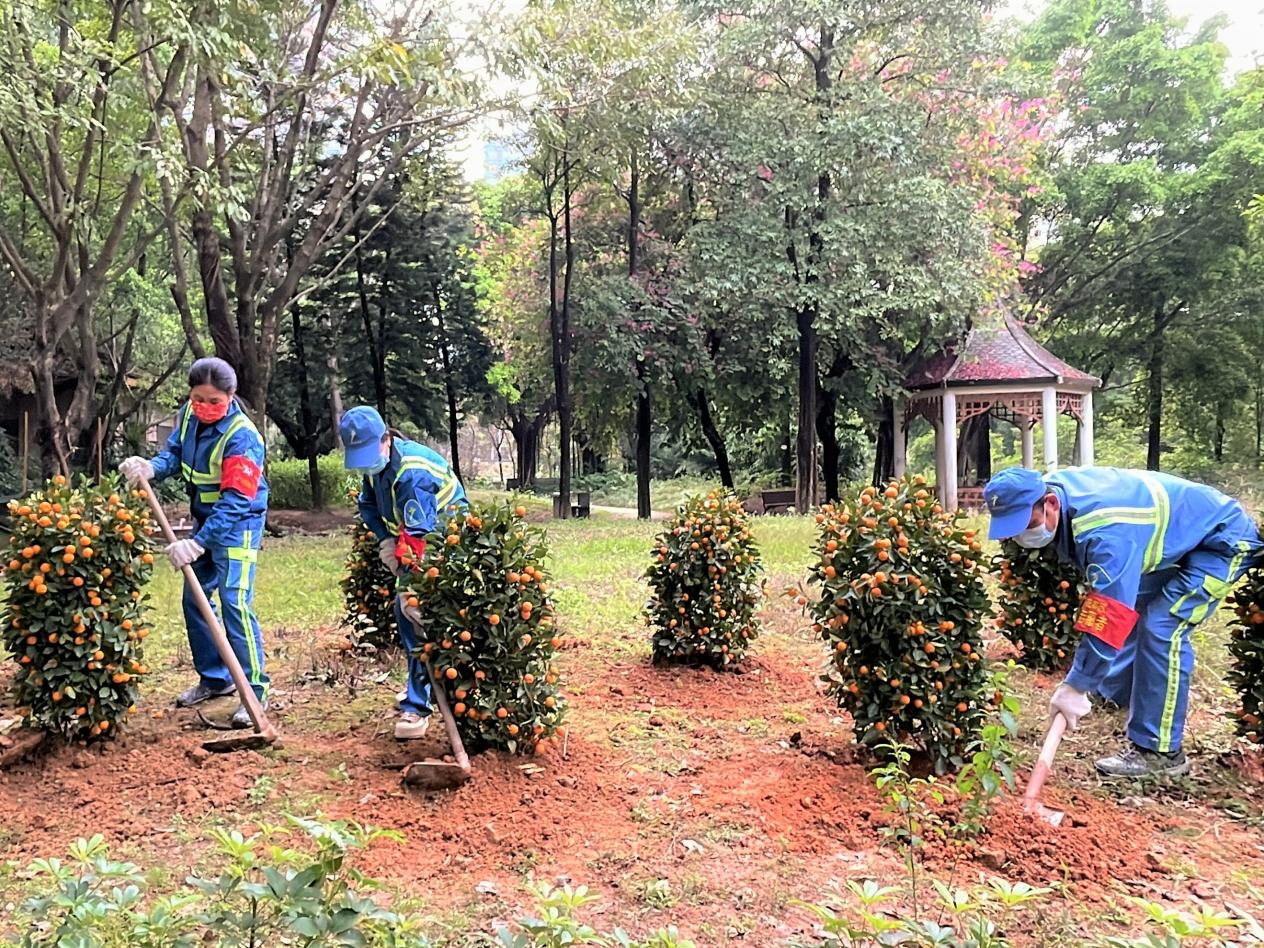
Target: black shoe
x,y
1138,762
241,717
201,692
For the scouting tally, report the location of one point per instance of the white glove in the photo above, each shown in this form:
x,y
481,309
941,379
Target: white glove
x,y
134,470
386,553
411,613
1071,703
182,553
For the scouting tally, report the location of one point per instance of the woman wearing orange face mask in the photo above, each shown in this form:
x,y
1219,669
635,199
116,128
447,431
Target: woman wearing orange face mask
x,y
219,453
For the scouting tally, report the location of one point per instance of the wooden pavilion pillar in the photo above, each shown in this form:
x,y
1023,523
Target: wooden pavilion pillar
x,y
948,454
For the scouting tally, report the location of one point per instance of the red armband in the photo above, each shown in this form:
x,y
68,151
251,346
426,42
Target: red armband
x,y
1107,620
242,475
410,550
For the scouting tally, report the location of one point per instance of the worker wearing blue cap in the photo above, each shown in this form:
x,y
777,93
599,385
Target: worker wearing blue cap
x,y
406,486
1160,554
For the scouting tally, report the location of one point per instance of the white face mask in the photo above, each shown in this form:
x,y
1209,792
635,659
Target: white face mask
x,y
377,468
1033,538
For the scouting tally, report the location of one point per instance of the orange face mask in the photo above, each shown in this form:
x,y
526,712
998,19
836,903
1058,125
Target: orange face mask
x,y
209,413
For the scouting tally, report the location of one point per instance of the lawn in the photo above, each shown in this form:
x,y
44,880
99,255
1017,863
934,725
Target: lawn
x,y
711,801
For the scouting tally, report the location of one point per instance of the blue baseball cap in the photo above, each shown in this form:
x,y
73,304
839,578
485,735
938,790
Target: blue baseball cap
x,y
1009,498
361,429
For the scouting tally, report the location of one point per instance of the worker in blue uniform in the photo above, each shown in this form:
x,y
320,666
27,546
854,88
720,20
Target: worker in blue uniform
x,y
218,451
1160,554
406,487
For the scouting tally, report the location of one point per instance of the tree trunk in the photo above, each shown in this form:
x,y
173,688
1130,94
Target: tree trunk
x,y
526,434
335,388
884,449
644,405
643,435
305,411
560,331
564,408
983,456
454,424
974,450
1259,416
806,454
827,432
1218,444
786,448
1155,395
702,406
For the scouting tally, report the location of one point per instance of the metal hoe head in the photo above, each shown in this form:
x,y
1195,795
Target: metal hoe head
x,y
430,774
248,740
1048,814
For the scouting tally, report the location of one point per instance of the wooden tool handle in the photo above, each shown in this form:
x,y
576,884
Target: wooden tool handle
x,y
246,693
1057,728
1044,763
449,722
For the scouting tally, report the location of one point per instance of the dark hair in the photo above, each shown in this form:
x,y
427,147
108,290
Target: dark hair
x,y
213,371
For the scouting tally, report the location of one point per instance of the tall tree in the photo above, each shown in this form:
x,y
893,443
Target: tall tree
x,y
1129,245
821,161
83,142
282,177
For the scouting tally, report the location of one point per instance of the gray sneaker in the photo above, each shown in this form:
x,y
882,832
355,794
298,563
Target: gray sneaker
x,y
241,717
201,692
1138,762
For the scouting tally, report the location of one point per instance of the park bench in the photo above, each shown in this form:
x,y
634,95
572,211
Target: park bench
x,y
777,501
581,508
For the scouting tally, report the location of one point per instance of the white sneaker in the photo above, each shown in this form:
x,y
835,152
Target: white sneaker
x,y
411,726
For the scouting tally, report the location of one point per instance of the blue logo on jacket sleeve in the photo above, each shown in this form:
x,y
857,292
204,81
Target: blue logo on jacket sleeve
x,y
412,515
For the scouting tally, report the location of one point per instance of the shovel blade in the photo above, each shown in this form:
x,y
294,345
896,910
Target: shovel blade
x,y
435,775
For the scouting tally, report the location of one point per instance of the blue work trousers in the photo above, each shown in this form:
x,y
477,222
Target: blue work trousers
x,y
418,684
1151,674
230,571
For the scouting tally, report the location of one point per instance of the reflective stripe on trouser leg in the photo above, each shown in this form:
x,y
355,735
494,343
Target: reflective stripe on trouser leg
x,y
206,658
1165,657
418,684
237,593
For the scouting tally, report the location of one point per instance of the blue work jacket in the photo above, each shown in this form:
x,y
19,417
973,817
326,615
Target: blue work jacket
x,y
408,494
1120,525
222,464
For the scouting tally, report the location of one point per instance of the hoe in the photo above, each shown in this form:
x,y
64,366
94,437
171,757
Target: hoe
x,y
431,774
1040,773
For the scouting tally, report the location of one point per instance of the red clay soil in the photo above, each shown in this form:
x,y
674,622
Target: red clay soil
x,y
596,814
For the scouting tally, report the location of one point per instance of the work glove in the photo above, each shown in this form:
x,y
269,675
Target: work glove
x,y
182,553
134,470
386,553
411,613
1071,703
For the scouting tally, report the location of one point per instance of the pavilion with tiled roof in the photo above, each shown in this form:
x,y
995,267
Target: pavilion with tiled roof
x,y
998,372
